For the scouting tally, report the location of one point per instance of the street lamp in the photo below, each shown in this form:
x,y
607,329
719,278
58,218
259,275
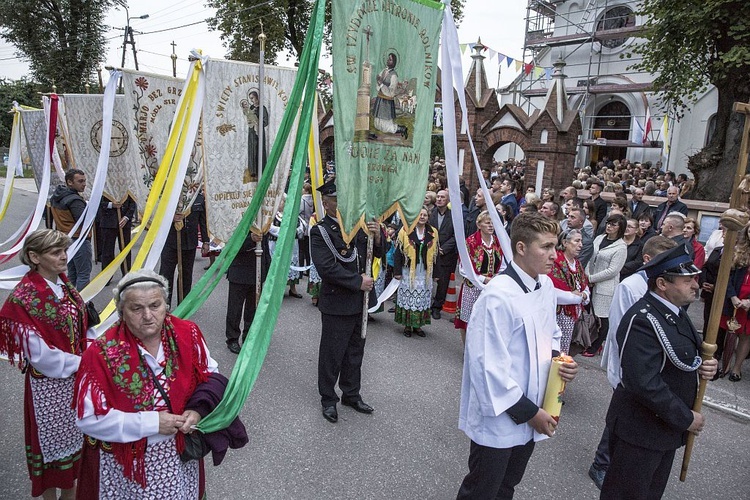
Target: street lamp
x,y
129,33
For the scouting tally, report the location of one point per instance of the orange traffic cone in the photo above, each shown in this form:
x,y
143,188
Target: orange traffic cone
x,y
449,306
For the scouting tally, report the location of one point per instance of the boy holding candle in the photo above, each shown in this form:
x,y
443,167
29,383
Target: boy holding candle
x,y
510,341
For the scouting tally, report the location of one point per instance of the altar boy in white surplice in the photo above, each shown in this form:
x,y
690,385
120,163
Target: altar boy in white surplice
x,y
510,341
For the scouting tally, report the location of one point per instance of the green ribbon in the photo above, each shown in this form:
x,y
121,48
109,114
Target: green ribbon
x,y
254,349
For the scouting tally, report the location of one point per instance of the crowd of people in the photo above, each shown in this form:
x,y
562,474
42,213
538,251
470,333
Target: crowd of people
x,y
573,259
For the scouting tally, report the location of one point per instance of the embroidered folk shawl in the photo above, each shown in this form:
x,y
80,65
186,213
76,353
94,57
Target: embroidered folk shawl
x,y
571,281
416,251
478,253
33,307
115,373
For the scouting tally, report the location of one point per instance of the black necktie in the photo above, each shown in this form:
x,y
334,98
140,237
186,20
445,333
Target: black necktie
x,y
538,286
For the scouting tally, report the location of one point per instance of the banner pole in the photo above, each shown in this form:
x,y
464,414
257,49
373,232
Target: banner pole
x,y
121,240
368,273
178,229
261,143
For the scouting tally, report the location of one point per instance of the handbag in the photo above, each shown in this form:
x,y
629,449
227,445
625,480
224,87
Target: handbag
x,y
732,324
585,332
92,314
196,446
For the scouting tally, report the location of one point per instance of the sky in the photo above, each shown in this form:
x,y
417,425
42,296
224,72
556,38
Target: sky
x,y
500,25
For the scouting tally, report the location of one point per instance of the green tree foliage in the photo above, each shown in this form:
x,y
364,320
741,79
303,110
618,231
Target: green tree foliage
x,y
25,93
63,40
284,23
693,44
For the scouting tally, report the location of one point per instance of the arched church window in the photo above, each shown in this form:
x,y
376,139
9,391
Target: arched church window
x,y
617,17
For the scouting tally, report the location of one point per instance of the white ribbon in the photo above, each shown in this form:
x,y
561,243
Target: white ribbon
x,y
389,290
86,221
452,76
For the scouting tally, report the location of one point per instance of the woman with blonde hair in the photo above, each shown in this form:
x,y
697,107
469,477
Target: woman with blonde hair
x,y
485,257
43,326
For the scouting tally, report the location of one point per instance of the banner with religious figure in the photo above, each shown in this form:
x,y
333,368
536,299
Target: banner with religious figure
x,y
385,65
231,124
151,103
83,118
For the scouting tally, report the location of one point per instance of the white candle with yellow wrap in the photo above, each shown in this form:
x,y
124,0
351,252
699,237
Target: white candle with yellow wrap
x,y
552,403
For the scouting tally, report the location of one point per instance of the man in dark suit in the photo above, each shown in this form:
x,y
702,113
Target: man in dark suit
x,y
671,205
341,267
650,413
189,226
110,222
637,206
440,219
600,205
242,278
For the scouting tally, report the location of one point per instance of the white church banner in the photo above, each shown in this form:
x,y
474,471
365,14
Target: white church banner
x,y
151,102
35,134
231,122
83,116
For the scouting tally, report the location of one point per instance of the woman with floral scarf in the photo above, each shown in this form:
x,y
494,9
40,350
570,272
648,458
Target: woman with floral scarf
x,y
43,325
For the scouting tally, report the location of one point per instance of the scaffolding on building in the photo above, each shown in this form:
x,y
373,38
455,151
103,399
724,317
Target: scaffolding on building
x,y
599,27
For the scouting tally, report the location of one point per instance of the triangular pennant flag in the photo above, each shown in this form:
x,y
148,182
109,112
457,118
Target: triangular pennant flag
x,y
538,71
528,68
472,45
492,53
519,65
509,60
463,48
548,72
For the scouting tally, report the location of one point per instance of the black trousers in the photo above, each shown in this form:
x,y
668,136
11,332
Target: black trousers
x,y
304,252
169,265
240,303
442,272
109,237
635,473
340,358
494,473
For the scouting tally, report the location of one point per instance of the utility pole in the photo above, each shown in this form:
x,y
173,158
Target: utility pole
x,y
132,46
174,59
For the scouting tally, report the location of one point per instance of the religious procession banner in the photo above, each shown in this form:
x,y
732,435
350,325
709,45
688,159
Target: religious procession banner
x,y
231,125
151,103
83,118
384,65
35,134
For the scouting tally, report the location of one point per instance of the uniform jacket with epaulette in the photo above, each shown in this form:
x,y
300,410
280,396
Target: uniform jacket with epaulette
x,y
340,292
651,407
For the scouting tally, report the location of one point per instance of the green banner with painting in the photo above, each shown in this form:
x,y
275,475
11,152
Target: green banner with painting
x,y
384,69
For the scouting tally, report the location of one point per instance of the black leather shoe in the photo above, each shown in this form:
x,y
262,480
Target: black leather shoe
x,y
435,314
234,346
420,332
330,414
359,406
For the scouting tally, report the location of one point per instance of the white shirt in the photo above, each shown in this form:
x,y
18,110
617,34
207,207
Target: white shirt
x,y
628,292
509,342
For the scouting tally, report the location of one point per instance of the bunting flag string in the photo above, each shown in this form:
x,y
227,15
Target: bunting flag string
x,y
254,349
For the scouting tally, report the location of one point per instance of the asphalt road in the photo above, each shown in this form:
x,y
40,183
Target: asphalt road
x,y
410,448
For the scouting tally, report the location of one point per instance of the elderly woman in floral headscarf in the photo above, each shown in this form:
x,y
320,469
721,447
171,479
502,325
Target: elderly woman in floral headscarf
x,y
413,260
135,398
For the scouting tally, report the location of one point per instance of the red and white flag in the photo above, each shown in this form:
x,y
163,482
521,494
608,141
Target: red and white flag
x,y
647,126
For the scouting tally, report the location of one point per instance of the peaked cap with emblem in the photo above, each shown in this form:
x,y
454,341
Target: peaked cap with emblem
x,y
673,262
328,189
